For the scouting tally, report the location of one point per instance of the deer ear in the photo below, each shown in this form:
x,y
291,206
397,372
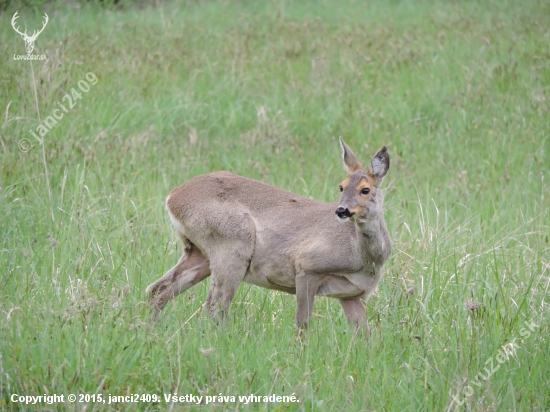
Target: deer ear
x,y
350,161
379,166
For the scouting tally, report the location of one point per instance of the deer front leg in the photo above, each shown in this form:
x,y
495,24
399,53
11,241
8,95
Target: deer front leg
x,y
307,285
356,314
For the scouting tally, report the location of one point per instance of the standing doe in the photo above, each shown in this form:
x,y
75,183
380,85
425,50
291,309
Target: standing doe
x,y
236,229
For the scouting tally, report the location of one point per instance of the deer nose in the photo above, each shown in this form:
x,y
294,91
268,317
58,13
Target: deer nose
x,y
342,212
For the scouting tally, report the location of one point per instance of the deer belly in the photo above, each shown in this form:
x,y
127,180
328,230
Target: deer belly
x,y
347,286
271,278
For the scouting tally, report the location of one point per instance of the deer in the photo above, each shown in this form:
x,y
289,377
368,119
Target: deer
x,y
29,40
235,229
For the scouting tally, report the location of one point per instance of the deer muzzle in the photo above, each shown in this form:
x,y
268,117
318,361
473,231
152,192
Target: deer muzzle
x,y
343,213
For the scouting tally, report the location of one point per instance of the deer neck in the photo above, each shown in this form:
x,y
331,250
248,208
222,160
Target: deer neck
x,y
368,227
374,238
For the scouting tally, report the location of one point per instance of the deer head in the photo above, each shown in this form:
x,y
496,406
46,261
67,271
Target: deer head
x,y
359,190
29,40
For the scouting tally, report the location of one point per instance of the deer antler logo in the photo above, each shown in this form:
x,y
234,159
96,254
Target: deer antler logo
x,y
29,40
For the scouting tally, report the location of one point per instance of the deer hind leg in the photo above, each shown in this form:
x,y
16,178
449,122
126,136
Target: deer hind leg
x,y
191,269
307,286
356,314
228,271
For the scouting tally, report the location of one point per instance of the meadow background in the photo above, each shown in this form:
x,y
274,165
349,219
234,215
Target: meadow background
x,y
459,92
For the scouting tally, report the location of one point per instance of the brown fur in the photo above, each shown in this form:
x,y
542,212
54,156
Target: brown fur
x,y
237,230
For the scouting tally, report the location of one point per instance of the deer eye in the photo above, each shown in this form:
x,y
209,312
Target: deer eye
x,y
365,191
341,188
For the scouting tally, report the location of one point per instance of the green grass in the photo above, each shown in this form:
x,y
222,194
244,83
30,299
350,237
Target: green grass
x,y
458,91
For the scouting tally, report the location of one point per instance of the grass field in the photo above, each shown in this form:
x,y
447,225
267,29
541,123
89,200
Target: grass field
x,y
459,91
